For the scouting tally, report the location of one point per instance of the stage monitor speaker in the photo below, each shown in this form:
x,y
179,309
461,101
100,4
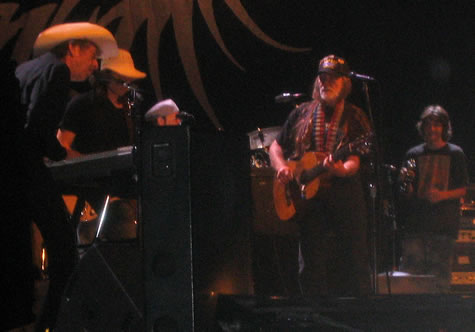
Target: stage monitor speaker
x,y
395,313
166,230
104,293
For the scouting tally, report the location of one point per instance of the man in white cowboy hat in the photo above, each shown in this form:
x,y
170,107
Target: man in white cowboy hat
x,y
67,52
64,53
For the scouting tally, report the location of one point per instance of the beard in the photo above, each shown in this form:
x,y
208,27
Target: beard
x,y
330,98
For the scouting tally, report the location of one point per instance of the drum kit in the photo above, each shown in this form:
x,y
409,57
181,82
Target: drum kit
x,y
259,143
117,220
261,138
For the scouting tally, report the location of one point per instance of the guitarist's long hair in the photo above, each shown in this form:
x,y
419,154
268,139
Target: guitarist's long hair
x,y
304,126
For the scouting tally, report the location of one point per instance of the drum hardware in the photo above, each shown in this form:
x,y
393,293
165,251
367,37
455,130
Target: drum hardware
x,y
118,220
260,158
262,137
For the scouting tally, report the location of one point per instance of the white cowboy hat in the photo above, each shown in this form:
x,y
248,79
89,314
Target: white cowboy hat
x,y
160,109
55,35
123,65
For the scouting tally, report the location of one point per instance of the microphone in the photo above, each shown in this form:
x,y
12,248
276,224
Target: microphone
x,y
135,94
130,86
184,116
134,88
288,97
361,77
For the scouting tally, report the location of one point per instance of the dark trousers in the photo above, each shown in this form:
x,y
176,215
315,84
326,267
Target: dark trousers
x,y
46,208
333,243
17,276
432,254
274,265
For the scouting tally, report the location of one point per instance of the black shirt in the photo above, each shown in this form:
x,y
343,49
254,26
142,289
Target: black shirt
x,y
97,123
353,124
443,169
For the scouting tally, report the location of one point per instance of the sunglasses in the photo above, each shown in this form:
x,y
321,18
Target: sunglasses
x,y
120,81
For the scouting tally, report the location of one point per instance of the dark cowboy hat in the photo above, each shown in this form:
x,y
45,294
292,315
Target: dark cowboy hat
x,y
333,64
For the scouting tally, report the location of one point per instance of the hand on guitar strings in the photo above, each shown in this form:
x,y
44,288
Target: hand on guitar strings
x,y
339,168
285,174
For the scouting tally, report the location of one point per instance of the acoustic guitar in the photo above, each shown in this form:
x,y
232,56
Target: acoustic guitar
x,y
310,175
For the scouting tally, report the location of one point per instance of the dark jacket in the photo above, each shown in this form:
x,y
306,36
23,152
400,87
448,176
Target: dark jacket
x,y
45,85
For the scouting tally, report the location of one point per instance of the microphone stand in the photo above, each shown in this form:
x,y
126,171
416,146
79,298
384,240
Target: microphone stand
x,y
390,213
373,190
137,122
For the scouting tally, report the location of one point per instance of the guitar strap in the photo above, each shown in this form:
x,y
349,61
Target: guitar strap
x,y
324,136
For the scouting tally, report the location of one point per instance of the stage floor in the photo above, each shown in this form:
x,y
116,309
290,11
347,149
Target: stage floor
x,y
397,312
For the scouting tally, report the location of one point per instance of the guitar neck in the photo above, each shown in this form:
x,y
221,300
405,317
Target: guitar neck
x,y
310,174
342,153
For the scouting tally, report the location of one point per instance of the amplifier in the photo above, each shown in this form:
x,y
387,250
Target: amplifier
x,y
467,222
462,282
463,278
463,270
464,260
466,236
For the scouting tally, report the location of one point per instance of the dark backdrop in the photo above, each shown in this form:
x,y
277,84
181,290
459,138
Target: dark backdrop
x,y
420,52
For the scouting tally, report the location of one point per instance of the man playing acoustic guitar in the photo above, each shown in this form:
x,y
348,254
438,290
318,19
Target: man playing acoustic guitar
x,y
319,185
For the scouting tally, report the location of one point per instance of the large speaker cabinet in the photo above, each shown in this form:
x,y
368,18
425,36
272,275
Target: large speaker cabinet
x,y
166,230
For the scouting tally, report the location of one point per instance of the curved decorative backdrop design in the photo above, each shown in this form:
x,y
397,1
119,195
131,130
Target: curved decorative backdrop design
x,y
131,15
